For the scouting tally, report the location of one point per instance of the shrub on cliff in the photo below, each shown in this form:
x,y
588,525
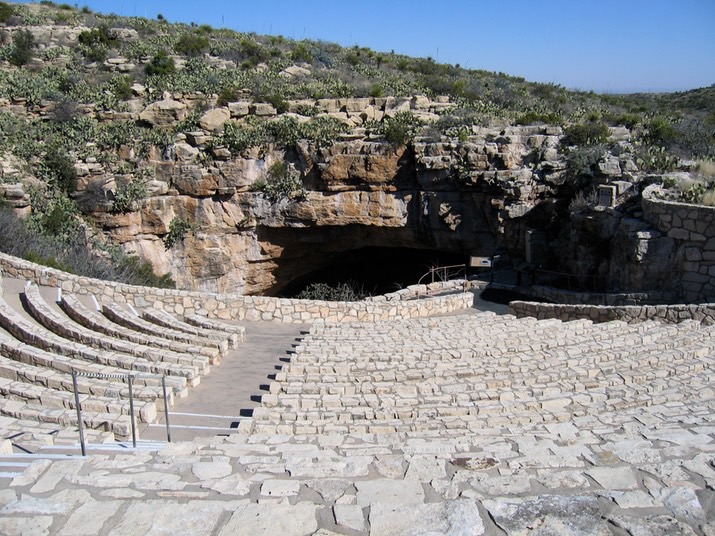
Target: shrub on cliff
x,y
161,64
178,229
57,168
401,129
339,292
6,12
591,133
23,43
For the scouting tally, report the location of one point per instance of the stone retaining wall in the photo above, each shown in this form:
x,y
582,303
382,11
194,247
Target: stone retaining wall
x,y
600,313
235,306
558,295
693,229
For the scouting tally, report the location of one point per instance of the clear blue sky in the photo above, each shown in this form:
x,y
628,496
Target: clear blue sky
x,y
599,45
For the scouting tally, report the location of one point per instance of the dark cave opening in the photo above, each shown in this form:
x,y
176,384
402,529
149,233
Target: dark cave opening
x,y
376,270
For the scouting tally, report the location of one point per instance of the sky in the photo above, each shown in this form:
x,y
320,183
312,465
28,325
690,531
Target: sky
x,y
606,46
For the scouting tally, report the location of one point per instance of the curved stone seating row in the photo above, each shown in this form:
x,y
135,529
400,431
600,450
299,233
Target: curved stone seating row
x,y
33,435
30,355
47,377
51,398
216,325
118,425
99,327
167,320
392,384
117,314
61,325
37,335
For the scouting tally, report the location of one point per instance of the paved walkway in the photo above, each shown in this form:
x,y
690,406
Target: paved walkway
x,y
233,388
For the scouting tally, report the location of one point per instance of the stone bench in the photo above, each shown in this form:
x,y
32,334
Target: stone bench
x,y
226,339
68,329
31,355
37,335
119,425
45,397
211,348
97,323
216,325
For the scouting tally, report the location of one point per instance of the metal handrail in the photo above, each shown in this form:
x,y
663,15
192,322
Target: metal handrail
x,y
444,270
130,379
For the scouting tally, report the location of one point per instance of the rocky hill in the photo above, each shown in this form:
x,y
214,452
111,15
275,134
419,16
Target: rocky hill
x,y
238,162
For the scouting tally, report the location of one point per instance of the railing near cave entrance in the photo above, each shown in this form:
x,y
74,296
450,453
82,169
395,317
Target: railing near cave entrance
x,y
445,273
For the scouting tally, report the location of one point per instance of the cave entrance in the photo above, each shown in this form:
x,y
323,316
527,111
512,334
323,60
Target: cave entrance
x,y
376,270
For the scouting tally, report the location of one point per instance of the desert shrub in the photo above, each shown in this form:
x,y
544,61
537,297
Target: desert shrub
x,y
239,137
6,12
226,95
301,53
708,198
340,292
55,216
121,86
23,43
161,64
285,131
654,159
57,168
323,131
102,261
128,194
401,129
582,164
191,44
660,131
543,117
178,229
101,35
592,133
281,183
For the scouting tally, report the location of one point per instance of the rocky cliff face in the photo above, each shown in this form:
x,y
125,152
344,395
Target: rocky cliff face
x,y
468,197
472,194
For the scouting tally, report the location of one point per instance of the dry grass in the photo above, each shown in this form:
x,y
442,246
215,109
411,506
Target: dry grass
x,y
706,168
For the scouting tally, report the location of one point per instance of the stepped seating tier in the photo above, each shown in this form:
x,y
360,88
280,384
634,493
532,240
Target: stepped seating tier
x,y
117,314
423,374
222,338
63,326
99,324
37,335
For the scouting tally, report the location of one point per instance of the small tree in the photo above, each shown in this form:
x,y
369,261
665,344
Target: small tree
x,y
58,169
22,44
160,64
6,12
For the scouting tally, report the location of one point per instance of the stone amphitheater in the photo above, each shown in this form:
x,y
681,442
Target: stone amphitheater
x,y
397,416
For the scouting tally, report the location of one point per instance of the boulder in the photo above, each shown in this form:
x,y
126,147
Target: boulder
x,y
213,120
164,113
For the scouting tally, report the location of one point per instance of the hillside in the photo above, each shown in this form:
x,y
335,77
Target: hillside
x,y
205,150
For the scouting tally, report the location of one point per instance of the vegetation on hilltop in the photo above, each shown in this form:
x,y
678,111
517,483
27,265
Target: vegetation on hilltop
x,y
69,98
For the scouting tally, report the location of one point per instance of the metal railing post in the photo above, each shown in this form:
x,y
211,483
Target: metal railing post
x,y
166,410
131,412
79,412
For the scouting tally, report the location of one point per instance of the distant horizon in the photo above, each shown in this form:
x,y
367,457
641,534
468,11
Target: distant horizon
x,y
608,47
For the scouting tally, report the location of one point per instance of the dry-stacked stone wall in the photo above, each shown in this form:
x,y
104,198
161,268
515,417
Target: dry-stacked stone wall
x,y
693,229
235,306
601,313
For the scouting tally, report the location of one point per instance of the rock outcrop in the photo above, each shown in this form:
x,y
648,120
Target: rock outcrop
x,y
476,193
